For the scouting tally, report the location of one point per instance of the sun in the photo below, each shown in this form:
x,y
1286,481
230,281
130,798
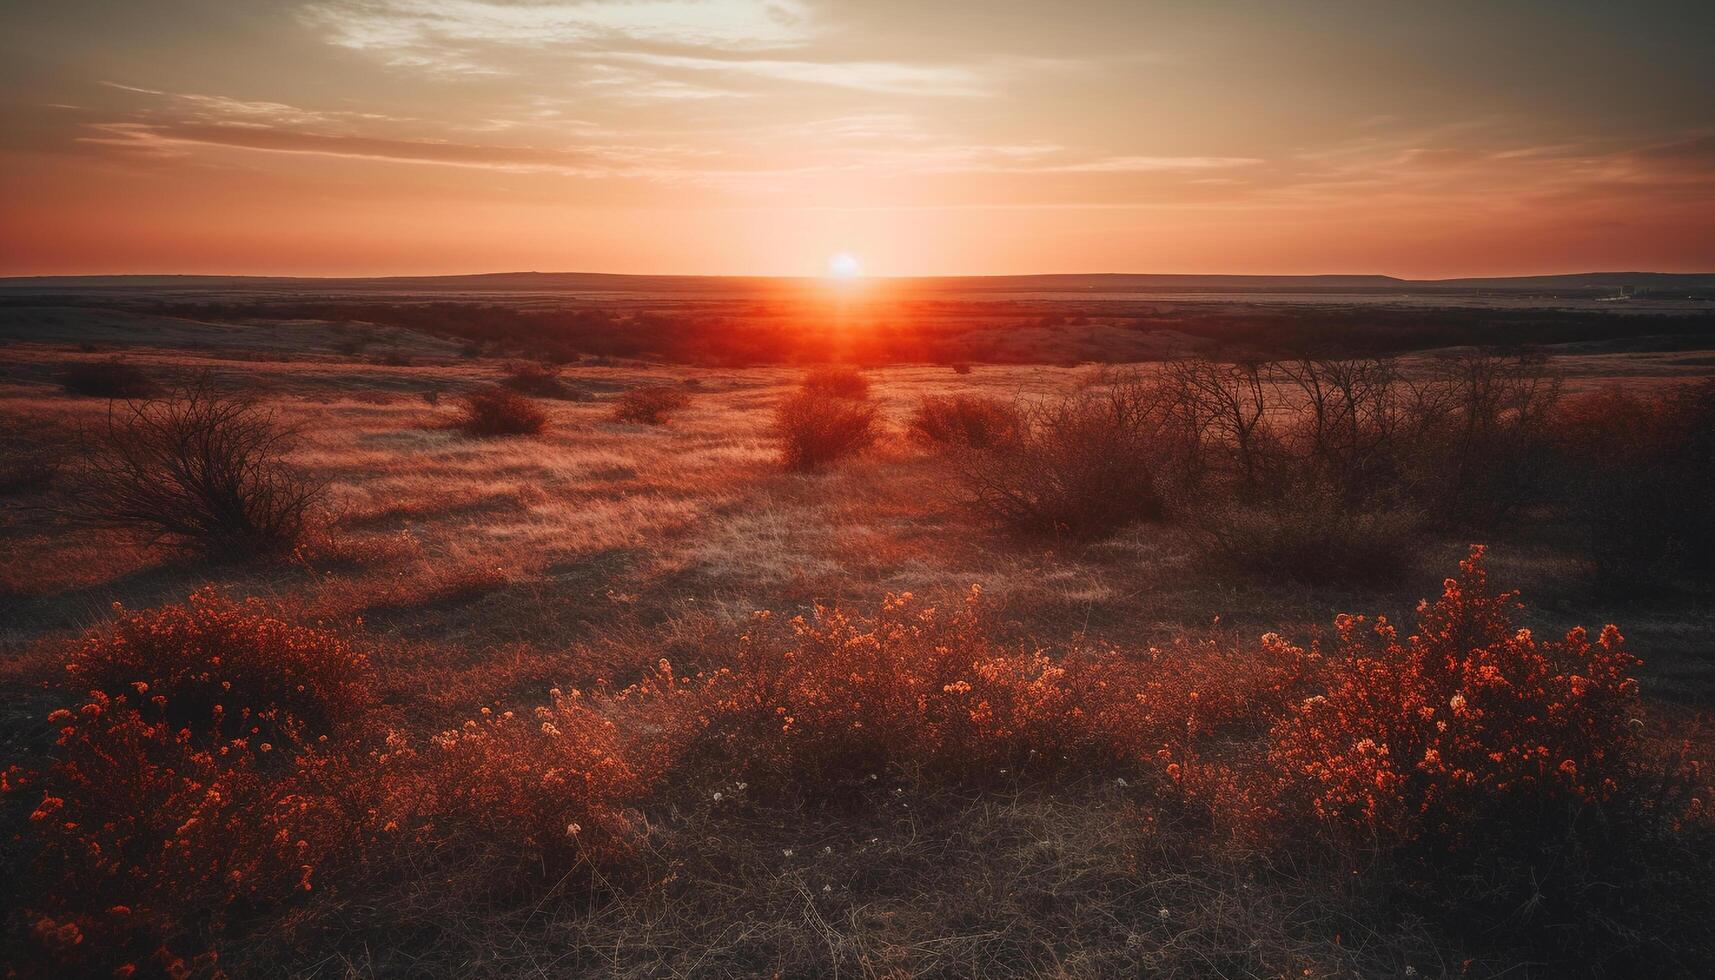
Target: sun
x,y
844,265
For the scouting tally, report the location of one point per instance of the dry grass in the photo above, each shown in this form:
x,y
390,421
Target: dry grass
x,y
486,572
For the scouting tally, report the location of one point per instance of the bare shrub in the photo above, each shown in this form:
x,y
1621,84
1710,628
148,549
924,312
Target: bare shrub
x,y
199,467
961,367
497,411
1082,466
817,428
1309,536
28,464
650,405
1345,424
969,421
1638,476
1479,444
1320,469
1225,409
842,382
536,379
110,378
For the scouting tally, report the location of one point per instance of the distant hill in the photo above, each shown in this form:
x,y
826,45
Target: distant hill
x,y
592,282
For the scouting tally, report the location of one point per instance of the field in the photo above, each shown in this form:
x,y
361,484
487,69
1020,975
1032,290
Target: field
x,y
481,576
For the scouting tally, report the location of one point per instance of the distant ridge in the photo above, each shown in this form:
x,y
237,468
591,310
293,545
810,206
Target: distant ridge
x,y
1059,282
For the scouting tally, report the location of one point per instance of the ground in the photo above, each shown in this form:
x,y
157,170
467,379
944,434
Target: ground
x,y
486,571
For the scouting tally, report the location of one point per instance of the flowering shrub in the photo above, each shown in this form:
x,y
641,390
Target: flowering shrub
x,y
1489,775
1465,723
546,790
223,670
830,703
226,770
197,785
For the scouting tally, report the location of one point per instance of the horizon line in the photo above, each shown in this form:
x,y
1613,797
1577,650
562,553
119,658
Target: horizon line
x,y
7,279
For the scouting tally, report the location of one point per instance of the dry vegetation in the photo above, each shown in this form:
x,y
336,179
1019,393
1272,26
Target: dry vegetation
x,y
718,697
497,411
650,405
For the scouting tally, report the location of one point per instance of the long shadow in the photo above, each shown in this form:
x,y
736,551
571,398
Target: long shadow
x,y
29,618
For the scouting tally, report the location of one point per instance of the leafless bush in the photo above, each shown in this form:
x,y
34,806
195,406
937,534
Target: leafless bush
x,y
1466,445
650,405
27,464
111,378
541,381
497,411
970,421
816,427
199,467
842,382
1082,466
1637,474
961,367
1478,436
1224,410
1308,537
1345,427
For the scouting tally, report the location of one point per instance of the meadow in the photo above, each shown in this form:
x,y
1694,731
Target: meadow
x,y
1001,673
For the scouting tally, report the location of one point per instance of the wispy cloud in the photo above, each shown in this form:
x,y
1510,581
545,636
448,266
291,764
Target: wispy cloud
x,y
1138,165
454,35
241,112
872,76
677,49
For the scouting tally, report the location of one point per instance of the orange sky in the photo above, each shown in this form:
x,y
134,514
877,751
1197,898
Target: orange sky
x,y
354,137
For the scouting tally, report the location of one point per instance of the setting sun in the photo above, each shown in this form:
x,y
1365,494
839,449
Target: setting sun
x,y
737,488
844,265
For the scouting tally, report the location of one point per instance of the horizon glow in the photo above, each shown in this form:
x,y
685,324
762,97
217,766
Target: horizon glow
x,y
760,137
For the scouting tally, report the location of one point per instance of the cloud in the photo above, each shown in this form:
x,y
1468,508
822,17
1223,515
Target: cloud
x,y
667,164
677,49
871,76
452,35
1109,165
162,136
240,112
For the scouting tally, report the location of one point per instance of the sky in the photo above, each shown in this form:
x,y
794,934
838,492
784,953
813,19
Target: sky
x,y
763,137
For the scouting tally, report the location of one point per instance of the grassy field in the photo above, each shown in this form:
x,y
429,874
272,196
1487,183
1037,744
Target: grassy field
x,y
479,574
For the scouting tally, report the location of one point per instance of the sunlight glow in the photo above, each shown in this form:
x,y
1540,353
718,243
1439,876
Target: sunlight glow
x,y
844,265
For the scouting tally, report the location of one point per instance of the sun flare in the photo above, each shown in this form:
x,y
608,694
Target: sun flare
x,y
844,265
